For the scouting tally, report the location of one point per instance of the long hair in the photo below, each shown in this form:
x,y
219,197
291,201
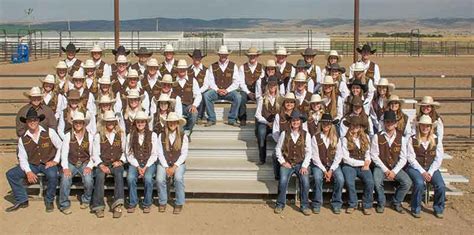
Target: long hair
x,y
319,113
128,110
333,97
332,134
364,140
266,98
103,130
433,114
134,139
430,138
65,88
177,141
401,119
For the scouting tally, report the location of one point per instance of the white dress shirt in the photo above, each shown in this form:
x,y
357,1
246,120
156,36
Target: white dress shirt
x,y
316,159
154,149
375,152
294,137
210,81
366,67
70,63
276,127
196,91
107,68
91,126
258,112
184,150
65,149
259,93
178,106
23,155
252,67
342,150
110,137
425,144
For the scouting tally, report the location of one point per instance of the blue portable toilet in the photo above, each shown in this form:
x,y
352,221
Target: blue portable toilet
x,y
22,54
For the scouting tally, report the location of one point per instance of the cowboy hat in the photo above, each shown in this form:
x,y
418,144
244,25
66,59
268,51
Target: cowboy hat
x,y
359,83
120,51
395,98
223,50
389,116
165,98
96,48
358,67
104,80
384,82
141,115
105,99
134,94
167,78
428,100
121,59
273,80
301,64
289,96
173,117
132,73
300,77
152,62
143,51
315,98
89,64
309,52
32,114
328,81
296,114
356,120
252,51
425,119
74,95
78,75
168,48
79,116
270,64
33,92
335,54
48,79
281,51
366,48
336,67
357,101
196,54
61,65
70,48
326,117
182,64
109,116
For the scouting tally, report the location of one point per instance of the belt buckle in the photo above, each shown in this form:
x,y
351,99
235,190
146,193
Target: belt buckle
x,y
78,164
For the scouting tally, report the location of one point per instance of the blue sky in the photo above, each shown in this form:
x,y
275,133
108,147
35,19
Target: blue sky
x,y
45,10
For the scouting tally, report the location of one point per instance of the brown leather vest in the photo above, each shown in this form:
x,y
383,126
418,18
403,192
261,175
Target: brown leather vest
x,y
154,91
223,79
251,78
390,154
164,70
424,156
313,74
53,103
313,128
42,152
79,152
200,76
137,68
371,71
357,153
99,71
378,111
285,76
284,123
157,127
172,154
67,122
110,153
142,152
304,106
185,92
75,67
326,154
269,112
294,152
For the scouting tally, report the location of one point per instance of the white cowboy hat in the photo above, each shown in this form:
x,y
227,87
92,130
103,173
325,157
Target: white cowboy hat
x,y
104,80
300,77
290,96
61,65
281,51
358,67
428,100
33,92
182,64
109,116
132,73
335,54
384,82
121,59
223,50
425,119
395,98
141,115
48,79
252,51
89,64
134,94
96,48
105,99
168,48
152,62
316,99
173,117
271,63
167,78
79,116
165,98
328,81
78,75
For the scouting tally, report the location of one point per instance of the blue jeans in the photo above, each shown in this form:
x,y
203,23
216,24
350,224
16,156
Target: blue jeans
x,y
178,185
419,188
211,96
350,174
132,178
338,184
98,195
285,174
404,185
191,118
243,106
201,109
66,182
16,177
262,131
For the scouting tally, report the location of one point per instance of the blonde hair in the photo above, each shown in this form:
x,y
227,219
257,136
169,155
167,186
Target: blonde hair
x,y
266,98
364,140
333,96
332,134
128,109
430,137
400,119
177,141
103,130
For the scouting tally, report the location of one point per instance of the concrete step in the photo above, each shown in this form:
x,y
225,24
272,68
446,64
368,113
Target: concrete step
x,y
226,186
229,164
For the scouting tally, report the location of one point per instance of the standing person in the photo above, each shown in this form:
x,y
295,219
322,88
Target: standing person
x,y
119,75
336,72
35,97
403,124
356,89
76,159
199,72
333,102
261,84
428,107
425,155
62,80
333,58
143,55
132,84
315,114
301,67
223,82
355,151
90,76
73,64
74,105
293,152
151,79
285,70
109,157
267,108
326,165
51,97
87,98
187,88
167,85
169,65
360,77
133,105
356,109
172,154
388,152
302,95
142,154
379,104
249,72
102,68
371,69
313,70
39,151
105,89
114,68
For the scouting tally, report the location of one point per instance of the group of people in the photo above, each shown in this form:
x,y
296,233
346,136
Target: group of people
x,y
92,119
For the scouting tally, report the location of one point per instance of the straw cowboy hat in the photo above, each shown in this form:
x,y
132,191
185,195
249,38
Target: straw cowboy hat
x,y
182,64
425,119
105,99
78,75
301,77
132,73
356,120
384,82
328,81
32,114
104,80
252,51
366,48
143,51
271,64
141,115
301,64
167,78
121,59
336,67
33,92
173,117
315,98
96,48
134,94
165,98
168,48
89,64
48,79
359,83
281,51
428,100
109,116
152,62
120,51
335,54
61,65
223,50
309,52
74,95
197,54
358,67
70,48
395,98
289,96
79,116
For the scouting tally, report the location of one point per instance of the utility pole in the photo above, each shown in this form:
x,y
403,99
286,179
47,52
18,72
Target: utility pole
x,y
156,24
356,29
116,23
